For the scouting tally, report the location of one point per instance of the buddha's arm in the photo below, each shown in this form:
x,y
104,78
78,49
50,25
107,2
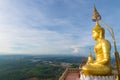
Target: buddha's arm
x,y
106,53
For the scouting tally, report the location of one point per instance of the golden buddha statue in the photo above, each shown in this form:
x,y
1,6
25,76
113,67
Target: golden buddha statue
x,y
101,65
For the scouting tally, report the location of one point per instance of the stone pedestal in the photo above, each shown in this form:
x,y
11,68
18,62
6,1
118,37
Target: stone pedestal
x,y
83,77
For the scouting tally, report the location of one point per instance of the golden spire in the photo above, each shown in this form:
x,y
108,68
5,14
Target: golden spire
x,y
97,26
90,58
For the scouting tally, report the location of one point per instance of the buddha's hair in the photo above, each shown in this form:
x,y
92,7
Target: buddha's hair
x,y
99,29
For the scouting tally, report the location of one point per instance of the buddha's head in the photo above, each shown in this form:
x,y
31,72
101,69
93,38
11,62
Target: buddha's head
x,y
98,32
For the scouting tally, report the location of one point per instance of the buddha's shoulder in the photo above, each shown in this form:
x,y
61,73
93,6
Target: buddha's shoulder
x,y
104,41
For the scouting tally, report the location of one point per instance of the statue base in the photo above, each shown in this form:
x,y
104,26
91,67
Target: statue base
x,y
84,77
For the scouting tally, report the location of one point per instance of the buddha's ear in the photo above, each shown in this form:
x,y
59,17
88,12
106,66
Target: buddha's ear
x,y
101,34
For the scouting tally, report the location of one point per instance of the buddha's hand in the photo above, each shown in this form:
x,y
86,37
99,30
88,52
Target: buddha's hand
x,y
90,62
93,63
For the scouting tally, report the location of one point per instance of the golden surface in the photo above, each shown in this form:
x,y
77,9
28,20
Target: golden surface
x,y
90,59
101,65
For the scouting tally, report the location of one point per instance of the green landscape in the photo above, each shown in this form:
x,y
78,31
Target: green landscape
x,y
42,67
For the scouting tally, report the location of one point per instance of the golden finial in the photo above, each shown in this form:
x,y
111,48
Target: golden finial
x,y
90,58
97,26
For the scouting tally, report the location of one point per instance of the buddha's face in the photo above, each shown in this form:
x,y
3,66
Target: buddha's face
x,y
95,35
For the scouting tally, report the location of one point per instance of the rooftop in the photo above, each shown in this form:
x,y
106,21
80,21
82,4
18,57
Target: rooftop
x,y
70,74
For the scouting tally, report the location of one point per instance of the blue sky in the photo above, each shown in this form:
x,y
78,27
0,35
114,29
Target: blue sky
x,y
53,26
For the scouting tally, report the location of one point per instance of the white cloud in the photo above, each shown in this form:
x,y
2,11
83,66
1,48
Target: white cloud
x,y
76,50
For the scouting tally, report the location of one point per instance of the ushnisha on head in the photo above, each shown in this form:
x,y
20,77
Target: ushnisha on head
x,y
98,32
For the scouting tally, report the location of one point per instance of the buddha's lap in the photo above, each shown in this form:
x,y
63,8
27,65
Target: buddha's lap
x,y
96,67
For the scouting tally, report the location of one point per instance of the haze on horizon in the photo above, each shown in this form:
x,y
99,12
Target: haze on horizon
x,y
53,26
